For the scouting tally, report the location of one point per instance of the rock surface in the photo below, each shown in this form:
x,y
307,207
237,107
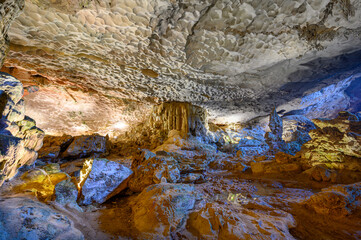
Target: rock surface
x,y
150,169
19,136
85,146
162,208
232,222
100,179
335,142
183,117
337,201
22,218
66,194
53,146
9,10
237,59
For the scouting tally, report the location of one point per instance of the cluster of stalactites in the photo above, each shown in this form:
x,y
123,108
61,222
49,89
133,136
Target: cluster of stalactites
x,y
183,117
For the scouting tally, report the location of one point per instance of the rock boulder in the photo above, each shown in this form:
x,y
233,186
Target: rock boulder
x,y
22,218
100,179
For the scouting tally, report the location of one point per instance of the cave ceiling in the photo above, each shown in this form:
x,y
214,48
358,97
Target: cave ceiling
x,y
233,57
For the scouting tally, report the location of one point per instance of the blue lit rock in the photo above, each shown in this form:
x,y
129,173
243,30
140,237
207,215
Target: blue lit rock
x,y
100,179
22,218
66,194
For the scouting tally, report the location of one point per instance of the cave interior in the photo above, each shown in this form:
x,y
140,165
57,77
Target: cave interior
x,y
180,119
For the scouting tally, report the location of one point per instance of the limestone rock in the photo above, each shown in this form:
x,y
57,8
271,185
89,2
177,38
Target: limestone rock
x,y
216,221
32,136
151,169
337,201
40,181
53,146
162,208
274,167
22,218
274,137
251,147
100,179
321,173
184,117
19,136
336,143
85,146
66,194
9,10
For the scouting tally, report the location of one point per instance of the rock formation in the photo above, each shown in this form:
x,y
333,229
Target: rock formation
x,y
101,179
22,218
20,138
9,10
338,201
186,118
138,80
227,56
274,137
150,169
57,148
334,142
162,208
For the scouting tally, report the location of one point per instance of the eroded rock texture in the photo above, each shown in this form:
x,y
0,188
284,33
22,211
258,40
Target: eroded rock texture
x,y
335,143
57,148
162,208
22,218
236,58
20,138
337,201
9,10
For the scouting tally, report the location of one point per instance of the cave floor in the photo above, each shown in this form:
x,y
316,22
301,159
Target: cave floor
x,y
112,220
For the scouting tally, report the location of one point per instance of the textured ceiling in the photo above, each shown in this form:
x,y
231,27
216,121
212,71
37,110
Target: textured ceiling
x,y
231,56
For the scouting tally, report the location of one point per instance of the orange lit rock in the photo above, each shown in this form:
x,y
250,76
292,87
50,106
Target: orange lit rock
x,y
337,201
216,221
160,209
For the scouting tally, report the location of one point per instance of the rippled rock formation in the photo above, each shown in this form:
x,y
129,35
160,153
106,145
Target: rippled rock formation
x,y
9,10
237,59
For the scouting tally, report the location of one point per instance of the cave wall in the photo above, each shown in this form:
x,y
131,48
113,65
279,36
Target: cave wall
x,y
20,139
9,10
